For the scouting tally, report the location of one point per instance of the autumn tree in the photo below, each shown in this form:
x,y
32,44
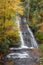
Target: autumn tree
x,y
8,27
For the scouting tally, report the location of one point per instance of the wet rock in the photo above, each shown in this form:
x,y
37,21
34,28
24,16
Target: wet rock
x,y
22,61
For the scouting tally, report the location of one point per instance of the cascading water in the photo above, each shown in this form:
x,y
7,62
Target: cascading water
x,y
33,41
30,35
21,36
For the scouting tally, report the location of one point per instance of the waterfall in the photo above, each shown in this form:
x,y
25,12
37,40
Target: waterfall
x,y
20,34
23,53
30,34
32,38
33,41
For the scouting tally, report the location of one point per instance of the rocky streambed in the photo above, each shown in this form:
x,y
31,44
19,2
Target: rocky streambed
x,y
21,57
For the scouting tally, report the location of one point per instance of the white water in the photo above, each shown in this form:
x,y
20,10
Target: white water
x,y
33,41
20,34
18,55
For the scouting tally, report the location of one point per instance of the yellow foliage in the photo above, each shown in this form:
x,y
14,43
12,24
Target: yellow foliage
x,y
20,10
7,23
14,4
8,10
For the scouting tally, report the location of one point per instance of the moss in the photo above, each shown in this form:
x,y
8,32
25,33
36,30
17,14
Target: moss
x,y
40,35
